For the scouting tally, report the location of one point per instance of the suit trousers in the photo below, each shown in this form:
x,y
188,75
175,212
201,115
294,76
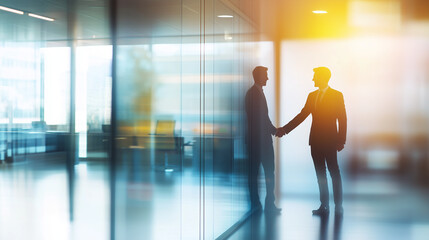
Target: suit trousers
x,y
322,157
264,155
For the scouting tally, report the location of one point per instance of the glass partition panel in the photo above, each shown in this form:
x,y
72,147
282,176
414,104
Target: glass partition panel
x,y
34,120
182,74
150,146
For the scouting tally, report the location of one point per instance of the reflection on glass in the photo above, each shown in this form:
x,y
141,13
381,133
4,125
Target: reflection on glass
x,y
180,144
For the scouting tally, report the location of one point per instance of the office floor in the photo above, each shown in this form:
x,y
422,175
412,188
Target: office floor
x,y
34,200
34,204
376,208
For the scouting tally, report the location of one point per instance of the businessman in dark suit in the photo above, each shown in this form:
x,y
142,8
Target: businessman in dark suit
x,y
327,107
259,141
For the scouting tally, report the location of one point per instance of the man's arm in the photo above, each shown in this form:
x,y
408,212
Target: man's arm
x,y
260,114
249,105
299,118
270,126
257,119
342,123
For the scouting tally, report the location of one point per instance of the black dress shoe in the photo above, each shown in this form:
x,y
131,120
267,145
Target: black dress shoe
x,y
322,210
272,209
339,210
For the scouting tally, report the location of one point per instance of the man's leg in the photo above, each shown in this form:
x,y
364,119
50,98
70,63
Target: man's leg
x,y
334,170
319,166
268,164
253,181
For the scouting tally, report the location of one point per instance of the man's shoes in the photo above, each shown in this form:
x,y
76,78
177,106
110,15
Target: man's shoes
x,y
321,211
272,209
339,210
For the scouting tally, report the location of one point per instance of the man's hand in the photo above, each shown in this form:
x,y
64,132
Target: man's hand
x,y
280,132
340,146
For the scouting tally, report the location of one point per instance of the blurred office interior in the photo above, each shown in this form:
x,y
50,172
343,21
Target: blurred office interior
x,y
124,119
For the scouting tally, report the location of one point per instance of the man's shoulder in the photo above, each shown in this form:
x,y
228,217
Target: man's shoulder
x,y
252,90
335,92
313,93
251,93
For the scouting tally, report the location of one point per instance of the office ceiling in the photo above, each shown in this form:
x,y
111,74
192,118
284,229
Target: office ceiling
x,y
136,19
291,19
172,18
91,20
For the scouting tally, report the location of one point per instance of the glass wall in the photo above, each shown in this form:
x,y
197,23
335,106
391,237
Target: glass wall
x,y
33,127
55,81
179,164
182,72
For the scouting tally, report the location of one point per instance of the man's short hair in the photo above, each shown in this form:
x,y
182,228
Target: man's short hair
x,y
323,71
258,71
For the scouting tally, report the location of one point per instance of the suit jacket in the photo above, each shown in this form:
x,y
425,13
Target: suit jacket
x,y
259,126
324,131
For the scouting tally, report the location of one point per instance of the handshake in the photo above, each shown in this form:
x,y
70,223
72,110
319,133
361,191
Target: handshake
x,y
280,132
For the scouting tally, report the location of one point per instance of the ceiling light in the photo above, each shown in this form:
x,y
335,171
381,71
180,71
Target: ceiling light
x,y
320,11
225,16
11,10
41,17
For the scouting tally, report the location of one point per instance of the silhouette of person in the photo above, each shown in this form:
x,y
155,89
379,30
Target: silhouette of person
x,y
260,227
323,228
338,223
326,106
259,141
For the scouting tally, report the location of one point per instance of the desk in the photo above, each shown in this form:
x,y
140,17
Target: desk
x,y
158,151
26,141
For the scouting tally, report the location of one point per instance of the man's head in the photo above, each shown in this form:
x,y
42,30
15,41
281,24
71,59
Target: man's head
x,y
260,75
321,77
